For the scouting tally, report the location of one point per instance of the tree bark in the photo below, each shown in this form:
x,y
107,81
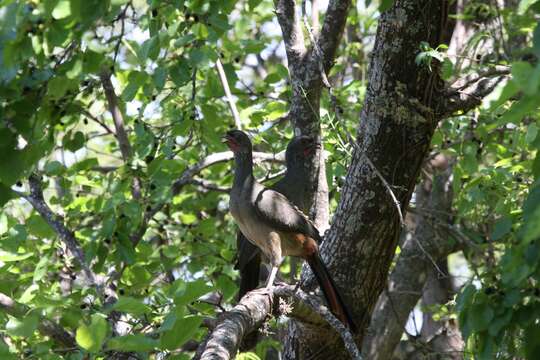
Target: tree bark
x,y
396,126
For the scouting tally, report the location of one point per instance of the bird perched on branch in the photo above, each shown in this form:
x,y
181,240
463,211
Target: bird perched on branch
x,y
277,227
293,186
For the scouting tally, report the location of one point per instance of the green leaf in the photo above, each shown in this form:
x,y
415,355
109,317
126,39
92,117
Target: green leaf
x,y
536,40
532,342
61,10
139,343
185,293
131,305
159,77
532,132
149,49
10,257
183,330
91,337
54,167
502,227
180,73
5,194
385,5
135,80
24,327
41,268
480,316
524,5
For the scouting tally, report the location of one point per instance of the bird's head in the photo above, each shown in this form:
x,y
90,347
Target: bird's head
x,y
238,141
300,148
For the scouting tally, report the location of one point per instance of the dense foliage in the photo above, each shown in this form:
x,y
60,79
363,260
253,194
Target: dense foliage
x,y
154,223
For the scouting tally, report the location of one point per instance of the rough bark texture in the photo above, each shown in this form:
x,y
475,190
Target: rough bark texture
x,y
395,130
417,261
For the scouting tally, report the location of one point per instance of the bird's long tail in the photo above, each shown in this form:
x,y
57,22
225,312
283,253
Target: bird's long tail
x,y
249,263
330,291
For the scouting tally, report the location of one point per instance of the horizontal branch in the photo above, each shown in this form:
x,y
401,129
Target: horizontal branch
x,y
468,92
256,307
188,177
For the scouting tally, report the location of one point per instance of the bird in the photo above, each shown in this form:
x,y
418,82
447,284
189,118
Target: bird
x,y
294,187
278,228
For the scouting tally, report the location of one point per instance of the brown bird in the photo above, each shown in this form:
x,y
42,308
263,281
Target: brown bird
x,y
277,227
294,187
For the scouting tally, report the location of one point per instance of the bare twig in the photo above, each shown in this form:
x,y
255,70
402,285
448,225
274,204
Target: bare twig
x,y
227,89
112,100
121,134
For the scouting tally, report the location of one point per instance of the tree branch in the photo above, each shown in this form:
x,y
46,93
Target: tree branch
x,y
188,177
35,198
332,30
418,256
467,93
291,30
46,327
112,100
227,89
256,307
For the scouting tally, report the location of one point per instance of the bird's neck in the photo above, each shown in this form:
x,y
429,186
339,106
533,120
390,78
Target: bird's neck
x,y
244,168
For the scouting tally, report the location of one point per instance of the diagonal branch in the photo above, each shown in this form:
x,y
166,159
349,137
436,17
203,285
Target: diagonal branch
x,y
35,198
256,307
188,177
118,119
228,95
332,29
46,327
121,134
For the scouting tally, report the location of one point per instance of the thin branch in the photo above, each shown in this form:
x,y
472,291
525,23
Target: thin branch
x,y
46,327
101,123
254,309
469,98
121,134
114,108
35,198
188,177
227,89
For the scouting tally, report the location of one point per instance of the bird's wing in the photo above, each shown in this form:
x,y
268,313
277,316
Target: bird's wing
x,y
277,211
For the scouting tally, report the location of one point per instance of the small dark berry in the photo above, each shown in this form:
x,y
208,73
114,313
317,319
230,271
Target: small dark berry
x,y
153,97
152,186
107,241
154,12
85,121
195,18
19,184
237,59
148,208
73,276
116,233
83,306
121,292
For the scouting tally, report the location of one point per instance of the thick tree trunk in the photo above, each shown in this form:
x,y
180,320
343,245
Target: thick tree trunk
x,y
395,131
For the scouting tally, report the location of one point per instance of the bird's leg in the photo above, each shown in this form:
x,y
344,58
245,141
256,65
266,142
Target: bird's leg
x,y
272,277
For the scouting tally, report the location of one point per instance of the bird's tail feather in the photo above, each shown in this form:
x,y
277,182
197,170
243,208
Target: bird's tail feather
x,y
330,291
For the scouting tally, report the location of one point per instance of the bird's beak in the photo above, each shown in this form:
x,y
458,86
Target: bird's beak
x,y
225,139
